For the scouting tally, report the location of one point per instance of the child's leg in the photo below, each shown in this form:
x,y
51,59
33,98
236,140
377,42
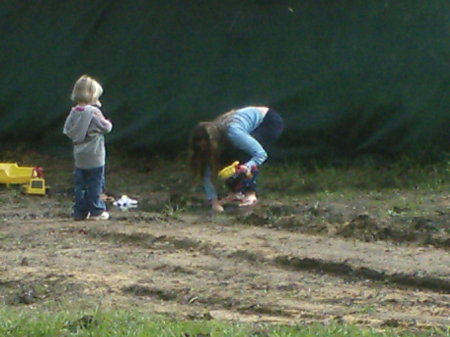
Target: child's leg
x,y
249,190
269,131
95,183
249,184
80,208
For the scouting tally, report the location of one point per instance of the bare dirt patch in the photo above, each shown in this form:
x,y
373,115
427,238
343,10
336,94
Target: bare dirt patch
x,y
284,261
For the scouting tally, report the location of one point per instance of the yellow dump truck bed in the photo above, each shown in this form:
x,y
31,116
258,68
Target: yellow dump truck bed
x,y
11,173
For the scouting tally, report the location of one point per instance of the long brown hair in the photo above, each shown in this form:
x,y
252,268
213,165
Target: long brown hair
x,y
201,157
213,133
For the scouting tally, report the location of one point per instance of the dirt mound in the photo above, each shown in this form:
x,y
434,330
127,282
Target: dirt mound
x,y
336,220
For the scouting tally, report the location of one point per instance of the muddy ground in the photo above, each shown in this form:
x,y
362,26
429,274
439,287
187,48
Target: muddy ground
x,y
296,260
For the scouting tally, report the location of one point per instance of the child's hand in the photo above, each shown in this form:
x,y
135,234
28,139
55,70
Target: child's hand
x,y
244,169
216,206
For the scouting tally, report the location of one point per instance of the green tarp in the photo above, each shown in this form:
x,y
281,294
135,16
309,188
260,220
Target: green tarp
x,y
350,77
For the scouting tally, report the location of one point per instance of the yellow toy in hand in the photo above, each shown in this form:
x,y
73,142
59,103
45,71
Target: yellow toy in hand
x,y
238,177
228,171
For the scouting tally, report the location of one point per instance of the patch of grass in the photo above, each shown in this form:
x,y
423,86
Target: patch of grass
x,y
33,323
404,174
368,309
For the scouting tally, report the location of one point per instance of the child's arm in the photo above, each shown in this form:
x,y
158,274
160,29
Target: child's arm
x,y
244,141
210,191
101,122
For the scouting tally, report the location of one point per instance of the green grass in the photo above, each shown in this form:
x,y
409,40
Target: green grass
x,y
295,178
277,179
32,323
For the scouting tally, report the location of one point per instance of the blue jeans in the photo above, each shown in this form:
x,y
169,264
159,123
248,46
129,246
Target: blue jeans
x,y
270,129
89,184
257,142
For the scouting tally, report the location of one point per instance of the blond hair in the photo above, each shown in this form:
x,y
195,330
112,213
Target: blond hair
x,y
87,90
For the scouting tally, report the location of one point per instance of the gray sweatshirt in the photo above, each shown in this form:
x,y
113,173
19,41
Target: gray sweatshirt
x,y
86,127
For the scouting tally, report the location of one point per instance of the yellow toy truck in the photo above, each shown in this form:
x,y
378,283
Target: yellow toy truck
x,y
32,178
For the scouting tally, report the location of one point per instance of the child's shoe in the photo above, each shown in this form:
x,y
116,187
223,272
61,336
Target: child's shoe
x,y
232,197
101,216
248,201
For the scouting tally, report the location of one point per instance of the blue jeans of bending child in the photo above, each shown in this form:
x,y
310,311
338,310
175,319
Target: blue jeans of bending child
x,y
89,184
254,144
270,129
257,142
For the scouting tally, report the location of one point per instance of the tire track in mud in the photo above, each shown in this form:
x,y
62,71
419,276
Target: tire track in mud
x,y
346,268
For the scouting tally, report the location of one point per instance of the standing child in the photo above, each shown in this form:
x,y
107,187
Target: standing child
x,y
249,129
86,127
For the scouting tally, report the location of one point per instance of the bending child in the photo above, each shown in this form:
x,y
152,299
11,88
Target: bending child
x,y
249,129
86,127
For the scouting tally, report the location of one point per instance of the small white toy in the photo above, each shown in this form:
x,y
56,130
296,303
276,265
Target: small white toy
x,y
125,203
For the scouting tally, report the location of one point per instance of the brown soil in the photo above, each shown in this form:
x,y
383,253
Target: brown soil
x,y
282,261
